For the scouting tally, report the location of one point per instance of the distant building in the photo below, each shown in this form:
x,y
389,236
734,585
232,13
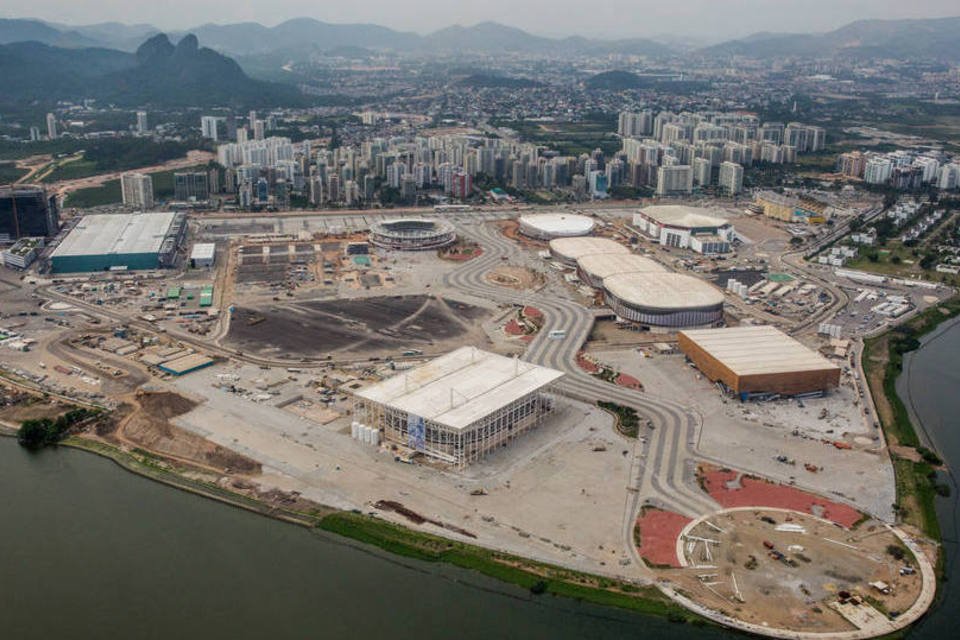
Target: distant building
x,y
674,180
731,178
142,122
137,190
877,170
27,211
790,208
702,172
852,164
635,124
51,126
192,185
258,129
34,134
208,127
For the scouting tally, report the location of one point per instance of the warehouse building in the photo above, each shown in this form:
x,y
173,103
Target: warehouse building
x,y
121,241
460,406
684,227
758,362
569,250
203,255
547,226
596,267
663,300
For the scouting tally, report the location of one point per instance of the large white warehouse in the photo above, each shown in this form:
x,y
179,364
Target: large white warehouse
x,y
685,227
546,226
461,405
665,300
594,268
569,250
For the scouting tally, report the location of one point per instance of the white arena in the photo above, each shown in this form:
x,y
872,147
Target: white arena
x,y
569,250
594,268
459,406
546,226
663,300
685,227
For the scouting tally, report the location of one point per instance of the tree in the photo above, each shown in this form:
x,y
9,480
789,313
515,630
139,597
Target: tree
x,y
33,433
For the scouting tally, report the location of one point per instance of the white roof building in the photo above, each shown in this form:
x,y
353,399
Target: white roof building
x,y
545,226
569,250
594,268
459,405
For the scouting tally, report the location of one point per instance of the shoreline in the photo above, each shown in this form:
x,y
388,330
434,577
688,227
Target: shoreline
x,y
393,539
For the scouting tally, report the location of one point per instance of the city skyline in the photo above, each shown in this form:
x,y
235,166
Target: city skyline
x,y
697,19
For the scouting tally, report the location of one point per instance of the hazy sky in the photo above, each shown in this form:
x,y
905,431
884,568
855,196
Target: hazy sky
x,y
703,18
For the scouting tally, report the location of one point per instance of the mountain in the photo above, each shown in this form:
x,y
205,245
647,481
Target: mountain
x,y
937,38
492,37
159,73
300,34
35,71
299,38
16,30
187,73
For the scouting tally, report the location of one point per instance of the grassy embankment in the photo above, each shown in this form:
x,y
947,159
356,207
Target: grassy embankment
x,y
535,576
882,364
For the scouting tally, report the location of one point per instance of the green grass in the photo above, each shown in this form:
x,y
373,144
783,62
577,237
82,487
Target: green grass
x,y
10,173
107,193
72,170
527,574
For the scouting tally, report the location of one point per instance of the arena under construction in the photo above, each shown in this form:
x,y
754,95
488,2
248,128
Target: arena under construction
x,y
459,406
412,234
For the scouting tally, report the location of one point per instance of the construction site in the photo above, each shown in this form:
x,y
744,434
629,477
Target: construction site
x,y
555,384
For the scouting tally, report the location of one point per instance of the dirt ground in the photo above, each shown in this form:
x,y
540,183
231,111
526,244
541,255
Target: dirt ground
x,y
17,405
360,327
734,566
148,426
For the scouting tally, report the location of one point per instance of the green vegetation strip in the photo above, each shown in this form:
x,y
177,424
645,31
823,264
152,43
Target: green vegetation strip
x,y
537,577
628,422
915,480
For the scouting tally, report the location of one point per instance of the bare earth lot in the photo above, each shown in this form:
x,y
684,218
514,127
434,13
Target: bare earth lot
x,y
359,326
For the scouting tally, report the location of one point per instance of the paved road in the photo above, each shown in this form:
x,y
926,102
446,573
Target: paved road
x,y
664,462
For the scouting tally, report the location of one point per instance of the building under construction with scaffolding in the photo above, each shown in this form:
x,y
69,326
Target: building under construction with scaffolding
x,y
460,406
